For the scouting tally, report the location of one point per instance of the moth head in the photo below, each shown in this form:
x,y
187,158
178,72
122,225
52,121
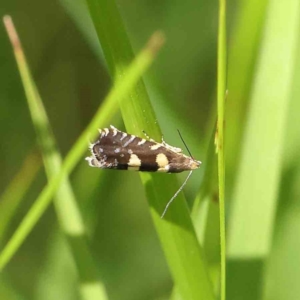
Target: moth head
x,y
195,164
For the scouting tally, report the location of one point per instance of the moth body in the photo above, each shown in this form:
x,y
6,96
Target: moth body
x,y
122,151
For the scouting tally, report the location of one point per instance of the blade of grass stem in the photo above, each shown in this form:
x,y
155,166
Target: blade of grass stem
x,y
15,191
106,110
221,90
206,214
259,172
242,56
207,230
71,223
282,268
175,231
209,185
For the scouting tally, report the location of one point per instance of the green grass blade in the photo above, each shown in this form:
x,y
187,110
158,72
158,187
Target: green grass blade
x,y
71,222
108,108
259,172
242,55
175,231
118,54
206,213
222,81
283,264
13,194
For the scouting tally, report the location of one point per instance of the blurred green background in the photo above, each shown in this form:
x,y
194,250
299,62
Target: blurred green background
x,y
262,143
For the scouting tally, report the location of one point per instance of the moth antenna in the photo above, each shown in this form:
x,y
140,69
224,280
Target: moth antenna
x,y
175,195
188,150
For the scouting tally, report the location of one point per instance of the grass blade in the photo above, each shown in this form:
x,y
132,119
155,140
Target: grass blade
x,y
71,223
222,81
175,231
13,194
283,264
108,108
259,173
242,55
206,214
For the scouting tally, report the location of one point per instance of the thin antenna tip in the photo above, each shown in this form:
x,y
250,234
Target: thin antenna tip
x,y
176,194
187,148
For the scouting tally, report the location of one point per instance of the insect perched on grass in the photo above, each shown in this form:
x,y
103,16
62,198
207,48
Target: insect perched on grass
x,y
119,150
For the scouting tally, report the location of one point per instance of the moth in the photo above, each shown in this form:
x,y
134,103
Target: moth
x,y
119,150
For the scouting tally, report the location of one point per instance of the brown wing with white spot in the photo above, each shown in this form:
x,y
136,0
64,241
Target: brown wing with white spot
x,y
118,150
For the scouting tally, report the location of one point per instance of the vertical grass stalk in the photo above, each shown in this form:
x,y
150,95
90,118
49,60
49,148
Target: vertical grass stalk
x,y
103,115
221,94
